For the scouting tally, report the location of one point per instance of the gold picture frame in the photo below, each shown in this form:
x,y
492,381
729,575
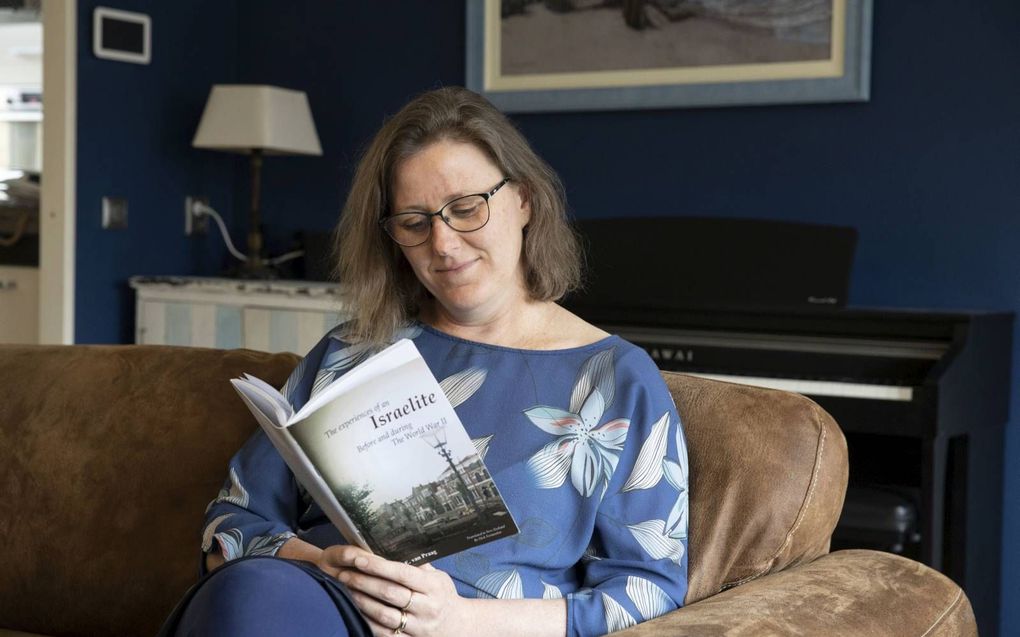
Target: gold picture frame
x,y
522,69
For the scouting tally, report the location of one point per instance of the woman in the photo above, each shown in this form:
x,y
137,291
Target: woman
x,y
454,234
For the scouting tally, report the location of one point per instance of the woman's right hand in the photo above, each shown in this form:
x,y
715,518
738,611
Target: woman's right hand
x,y
293,549
327,560
330,560
213,561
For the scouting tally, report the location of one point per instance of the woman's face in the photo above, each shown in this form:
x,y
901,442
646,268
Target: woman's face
x,y
472,275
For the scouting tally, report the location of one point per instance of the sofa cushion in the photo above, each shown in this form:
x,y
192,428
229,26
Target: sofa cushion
x,y
853,593
768,472
108,456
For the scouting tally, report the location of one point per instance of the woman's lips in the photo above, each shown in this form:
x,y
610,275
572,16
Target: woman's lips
x,y
459,267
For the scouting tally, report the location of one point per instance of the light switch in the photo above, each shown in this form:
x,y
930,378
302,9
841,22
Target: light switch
x,y
115,212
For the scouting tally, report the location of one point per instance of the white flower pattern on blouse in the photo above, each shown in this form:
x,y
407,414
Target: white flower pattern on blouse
x,y
550,591
501,585
461,386
338,362
482,445
586,450
617,617
232,493
210,530
651,466
650,600
652,537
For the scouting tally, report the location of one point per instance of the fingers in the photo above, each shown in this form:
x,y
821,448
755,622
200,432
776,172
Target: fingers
x,y
333,571
353,557
407,575
341,555
337,559
381,616
382,590
379,630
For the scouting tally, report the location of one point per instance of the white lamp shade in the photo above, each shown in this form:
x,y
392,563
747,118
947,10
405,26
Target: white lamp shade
x,y
240,117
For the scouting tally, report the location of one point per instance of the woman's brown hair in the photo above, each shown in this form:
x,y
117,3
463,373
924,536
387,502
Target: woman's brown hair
x,y
380,291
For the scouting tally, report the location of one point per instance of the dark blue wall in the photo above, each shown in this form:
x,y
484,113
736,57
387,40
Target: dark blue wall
x,y
928,170
135,125
358,62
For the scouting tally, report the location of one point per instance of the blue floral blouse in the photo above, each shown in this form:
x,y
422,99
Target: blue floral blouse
x,y
584,444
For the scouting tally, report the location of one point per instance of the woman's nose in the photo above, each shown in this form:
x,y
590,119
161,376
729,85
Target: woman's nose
x,y
444,238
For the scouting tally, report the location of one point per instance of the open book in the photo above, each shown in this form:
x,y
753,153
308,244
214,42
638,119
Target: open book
x,y
383,453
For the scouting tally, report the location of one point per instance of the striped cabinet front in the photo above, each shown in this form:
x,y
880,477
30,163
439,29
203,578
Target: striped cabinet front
x,y
278,316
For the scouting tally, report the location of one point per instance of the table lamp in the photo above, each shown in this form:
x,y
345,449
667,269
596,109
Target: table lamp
x,y
257,120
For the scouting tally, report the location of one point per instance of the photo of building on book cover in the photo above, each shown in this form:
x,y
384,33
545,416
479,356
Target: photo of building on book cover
x,y
426,495
457,508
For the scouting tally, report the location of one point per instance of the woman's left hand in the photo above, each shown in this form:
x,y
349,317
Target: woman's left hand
x,y
397,598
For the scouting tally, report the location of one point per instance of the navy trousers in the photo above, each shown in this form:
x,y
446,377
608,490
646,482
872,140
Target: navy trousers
x,y
266,597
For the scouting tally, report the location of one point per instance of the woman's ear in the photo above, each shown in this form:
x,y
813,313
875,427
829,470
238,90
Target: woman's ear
x,y
524,198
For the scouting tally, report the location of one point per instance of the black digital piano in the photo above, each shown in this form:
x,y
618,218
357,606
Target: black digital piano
x,y
922,396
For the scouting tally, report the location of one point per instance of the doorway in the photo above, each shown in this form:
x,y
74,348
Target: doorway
x,y
21,116
38,62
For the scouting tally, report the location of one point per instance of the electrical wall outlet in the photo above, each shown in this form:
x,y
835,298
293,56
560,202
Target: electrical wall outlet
x,y
195,223
115,213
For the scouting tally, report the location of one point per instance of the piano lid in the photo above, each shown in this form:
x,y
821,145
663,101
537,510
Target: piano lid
x,y
684,263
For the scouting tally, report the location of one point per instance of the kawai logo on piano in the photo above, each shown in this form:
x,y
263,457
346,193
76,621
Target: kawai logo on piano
x,y
671,354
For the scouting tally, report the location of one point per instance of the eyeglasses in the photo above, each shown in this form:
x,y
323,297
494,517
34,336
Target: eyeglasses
x,y
463,214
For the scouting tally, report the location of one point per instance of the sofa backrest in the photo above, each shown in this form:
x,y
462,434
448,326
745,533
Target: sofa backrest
x,y
108,456
768,472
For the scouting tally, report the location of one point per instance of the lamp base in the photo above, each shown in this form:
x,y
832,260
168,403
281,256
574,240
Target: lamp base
x,y
253,269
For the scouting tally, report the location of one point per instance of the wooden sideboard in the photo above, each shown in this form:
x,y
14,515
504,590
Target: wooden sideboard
x,y
270,316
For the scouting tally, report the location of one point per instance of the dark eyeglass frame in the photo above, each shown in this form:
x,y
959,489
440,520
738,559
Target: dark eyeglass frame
x,y
439,213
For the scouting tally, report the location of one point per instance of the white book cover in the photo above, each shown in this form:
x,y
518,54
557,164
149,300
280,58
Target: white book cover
x,y
383,453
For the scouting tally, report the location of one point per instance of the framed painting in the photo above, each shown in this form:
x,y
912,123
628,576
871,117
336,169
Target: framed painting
x,y
564,55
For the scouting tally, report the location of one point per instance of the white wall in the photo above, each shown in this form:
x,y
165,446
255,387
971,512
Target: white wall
x,y
21,54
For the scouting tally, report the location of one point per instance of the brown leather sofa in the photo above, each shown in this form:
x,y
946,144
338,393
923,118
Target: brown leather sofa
x,y
109,454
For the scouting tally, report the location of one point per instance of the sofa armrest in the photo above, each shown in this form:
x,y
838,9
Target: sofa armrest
x,y
848,593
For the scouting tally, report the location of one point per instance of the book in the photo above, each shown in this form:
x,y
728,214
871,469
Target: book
x,y
383,453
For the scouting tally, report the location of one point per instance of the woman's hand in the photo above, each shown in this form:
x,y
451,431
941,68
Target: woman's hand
x,y
387,592
419,601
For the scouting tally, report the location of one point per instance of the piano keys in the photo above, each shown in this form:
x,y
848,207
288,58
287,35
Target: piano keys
x,y
820,387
